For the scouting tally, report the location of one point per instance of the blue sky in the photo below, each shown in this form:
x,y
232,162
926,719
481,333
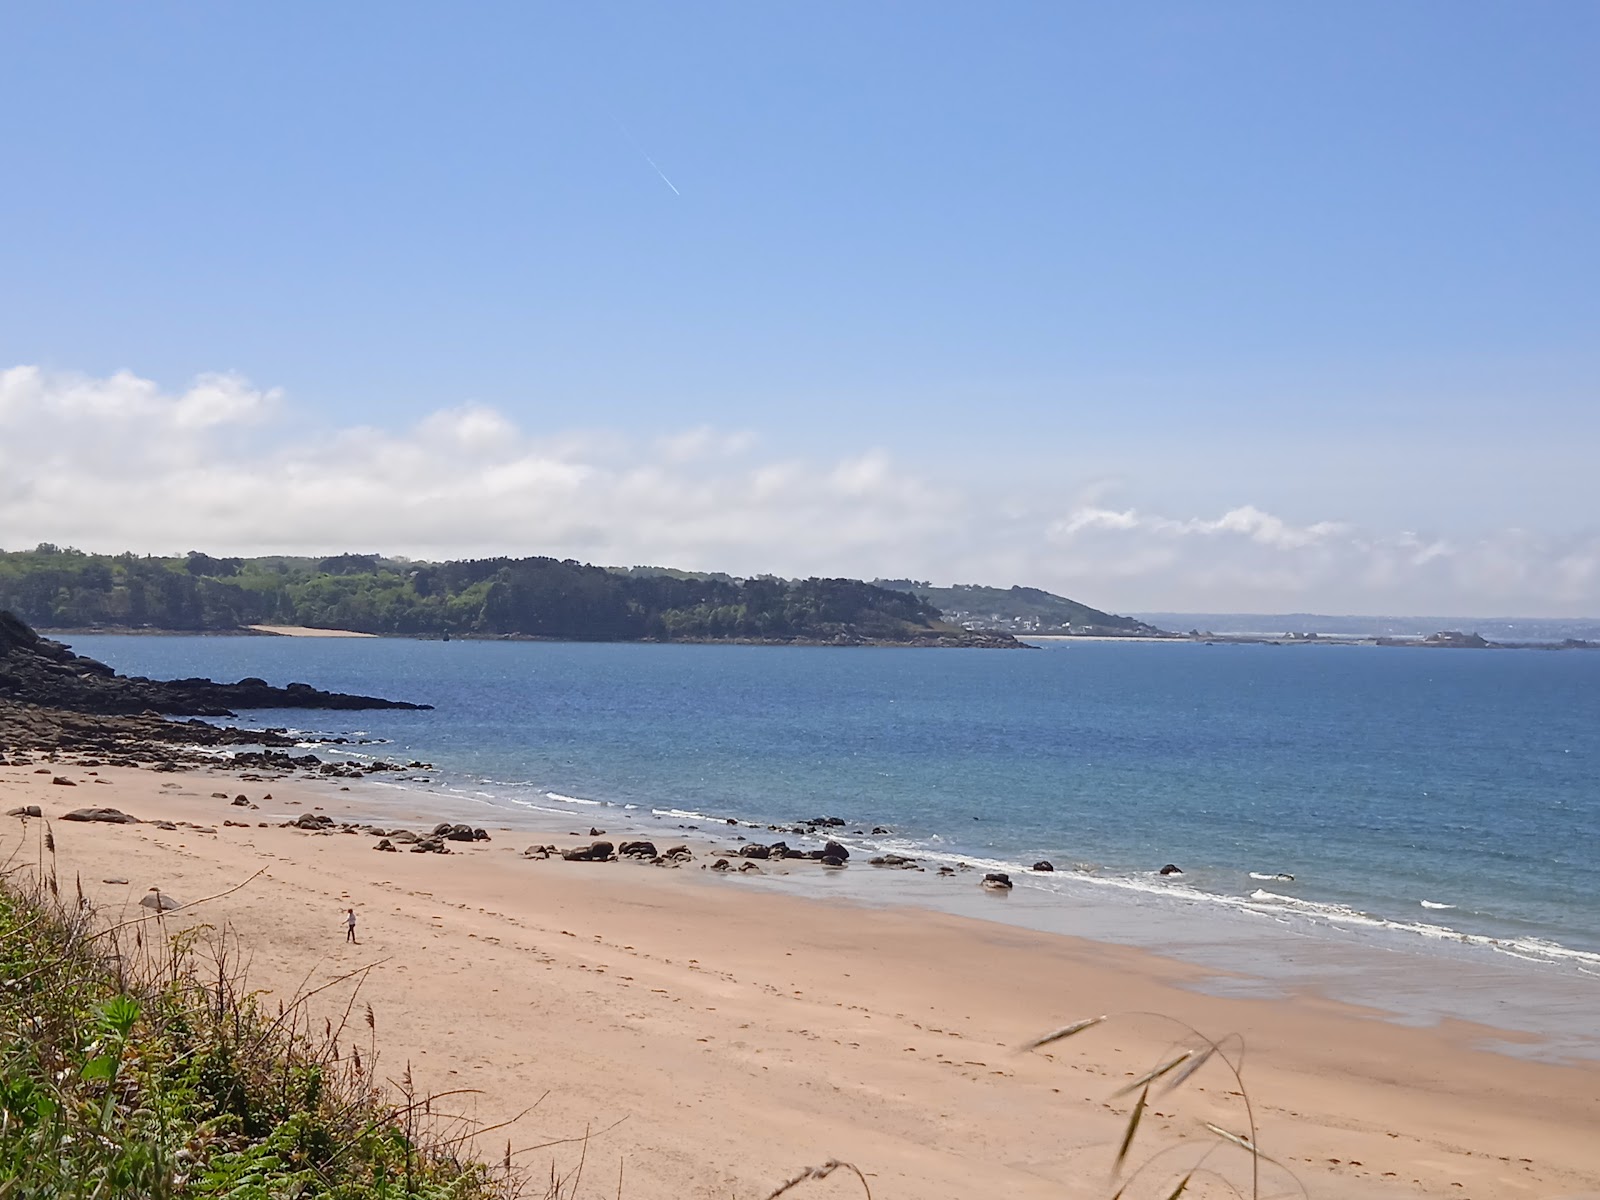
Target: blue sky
x,y
1334,265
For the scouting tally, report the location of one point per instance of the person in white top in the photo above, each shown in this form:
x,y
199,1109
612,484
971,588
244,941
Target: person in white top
x,y
350,925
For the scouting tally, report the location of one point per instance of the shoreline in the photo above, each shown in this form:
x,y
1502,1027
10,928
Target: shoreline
x,y
656,982
1414,972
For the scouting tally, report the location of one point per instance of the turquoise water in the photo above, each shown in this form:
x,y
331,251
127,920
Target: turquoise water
x,y
1431,795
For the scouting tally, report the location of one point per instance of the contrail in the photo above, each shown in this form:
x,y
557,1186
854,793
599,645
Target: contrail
x,y
663,174
635,142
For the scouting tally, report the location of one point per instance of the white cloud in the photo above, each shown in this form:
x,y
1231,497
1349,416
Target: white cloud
x,y
119,463
123,399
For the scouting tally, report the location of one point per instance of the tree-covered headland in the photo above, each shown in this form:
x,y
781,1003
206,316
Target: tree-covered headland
x,y
55,588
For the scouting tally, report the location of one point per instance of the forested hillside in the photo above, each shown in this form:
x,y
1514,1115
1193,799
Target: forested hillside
x,y
537,597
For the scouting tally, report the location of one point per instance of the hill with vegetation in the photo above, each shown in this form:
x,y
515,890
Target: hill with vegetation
x,y
58,589
1020,610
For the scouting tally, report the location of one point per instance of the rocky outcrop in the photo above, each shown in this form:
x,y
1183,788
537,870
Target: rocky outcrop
x,y
35,670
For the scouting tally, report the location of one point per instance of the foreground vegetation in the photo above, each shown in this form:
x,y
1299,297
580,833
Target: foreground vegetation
x,y
539,597
132,1065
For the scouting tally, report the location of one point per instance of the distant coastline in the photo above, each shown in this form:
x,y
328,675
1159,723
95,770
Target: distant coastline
x,y
955,639
977,639
1442,640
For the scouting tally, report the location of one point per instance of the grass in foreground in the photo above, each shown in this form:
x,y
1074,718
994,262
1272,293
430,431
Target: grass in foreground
x,y
132,1064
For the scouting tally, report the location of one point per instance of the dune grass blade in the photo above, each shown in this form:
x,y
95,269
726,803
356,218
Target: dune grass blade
x,y
1242,1142
822,1172
1194,1064
1062,1034
1133,1128
1153,1074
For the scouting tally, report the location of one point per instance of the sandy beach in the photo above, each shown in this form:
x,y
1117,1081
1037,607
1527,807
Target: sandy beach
x,y
723,1037
305,631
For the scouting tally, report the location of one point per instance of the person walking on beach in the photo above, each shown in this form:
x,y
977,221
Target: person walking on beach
x,y
350,925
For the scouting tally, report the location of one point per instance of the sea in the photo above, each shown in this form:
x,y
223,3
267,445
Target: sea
x,y
1413,829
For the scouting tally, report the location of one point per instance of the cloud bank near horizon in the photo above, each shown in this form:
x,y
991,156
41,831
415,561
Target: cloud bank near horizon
x,y
118,463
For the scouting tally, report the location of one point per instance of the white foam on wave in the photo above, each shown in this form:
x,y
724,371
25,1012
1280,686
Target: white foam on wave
x,y
557,796
1277,877
1434,904
1529,949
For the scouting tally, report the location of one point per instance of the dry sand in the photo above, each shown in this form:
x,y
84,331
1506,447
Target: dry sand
x,y
738,1036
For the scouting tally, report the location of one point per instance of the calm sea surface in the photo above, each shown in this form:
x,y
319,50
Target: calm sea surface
x,y
1413,795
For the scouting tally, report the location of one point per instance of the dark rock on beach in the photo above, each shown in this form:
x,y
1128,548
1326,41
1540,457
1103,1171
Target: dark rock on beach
x,y
108,816
1044,865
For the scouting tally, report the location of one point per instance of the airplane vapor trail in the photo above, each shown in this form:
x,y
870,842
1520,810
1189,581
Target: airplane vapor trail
x,y
663,174
634,142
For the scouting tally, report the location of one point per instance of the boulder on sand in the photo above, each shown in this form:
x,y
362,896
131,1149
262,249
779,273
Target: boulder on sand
x,y
109,816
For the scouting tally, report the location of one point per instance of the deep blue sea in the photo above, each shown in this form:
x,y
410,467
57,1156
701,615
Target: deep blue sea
x,y
1451,796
